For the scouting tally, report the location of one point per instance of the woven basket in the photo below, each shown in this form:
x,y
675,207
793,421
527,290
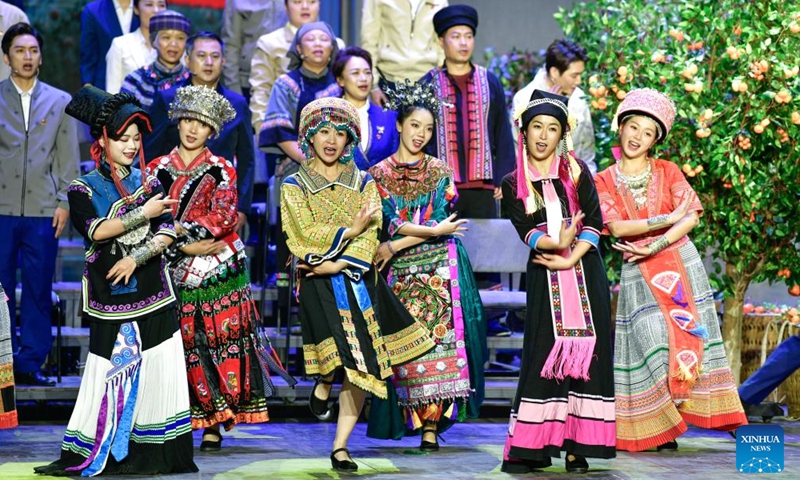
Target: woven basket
x,y
753,328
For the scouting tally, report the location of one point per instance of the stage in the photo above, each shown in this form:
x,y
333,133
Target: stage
x,y
299,449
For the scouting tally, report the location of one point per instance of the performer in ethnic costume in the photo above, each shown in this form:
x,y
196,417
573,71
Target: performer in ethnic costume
x,y
309,78
226,363
350,319
669,361
132,411
430,273
565,396
8,408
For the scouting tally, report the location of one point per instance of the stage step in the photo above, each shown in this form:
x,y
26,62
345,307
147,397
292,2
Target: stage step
x,y
499,391
79,337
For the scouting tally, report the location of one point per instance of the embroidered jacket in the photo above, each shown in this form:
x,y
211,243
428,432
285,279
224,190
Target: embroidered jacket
x,y
316,212
93,199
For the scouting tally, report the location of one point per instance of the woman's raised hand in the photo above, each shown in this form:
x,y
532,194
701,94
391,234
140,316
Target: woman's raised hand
x,y
155,206
451,226
568,233
362,219
681,210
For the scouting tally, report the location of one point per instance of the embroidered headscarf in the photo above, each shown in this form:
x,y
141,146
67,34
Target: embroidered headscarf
x,y
335,112
109,116
650,103
295,60
565,167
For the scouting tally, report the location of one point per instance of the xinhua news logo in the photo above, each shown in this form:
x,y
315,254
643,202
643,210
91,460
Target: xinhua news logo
x,y
759,449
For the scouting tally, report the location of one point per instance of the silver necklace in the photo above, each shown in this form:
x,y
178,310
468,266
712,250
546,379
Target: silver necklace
x,y
635,184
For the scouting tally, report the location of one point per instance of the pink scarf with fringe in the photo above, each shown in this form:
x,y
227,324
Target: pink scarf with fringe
x,y
570,308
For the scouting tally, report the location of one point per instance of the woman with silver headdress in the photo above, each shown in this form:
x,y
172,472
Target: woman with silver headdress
x,y
430,272
565,396
670,366
132,411
225,360
350,319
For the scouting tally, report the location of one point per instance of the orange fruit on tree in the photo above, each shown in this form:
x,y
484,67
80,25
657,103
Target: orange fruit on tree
x,y
759,129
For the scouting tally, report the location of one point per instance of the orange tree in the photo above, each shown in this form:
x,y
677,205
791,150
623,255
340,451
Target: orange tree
x,y
731,68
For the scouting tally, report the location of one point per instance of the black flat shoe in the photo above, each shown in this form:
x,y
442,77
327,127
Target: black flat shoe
x,y
426,446
35,379
211,445
521,467
343,465
668,447
578,464
319,407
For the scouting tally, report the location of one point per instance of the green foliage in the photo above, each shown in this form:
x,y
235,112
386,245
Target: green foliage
x,y
697,52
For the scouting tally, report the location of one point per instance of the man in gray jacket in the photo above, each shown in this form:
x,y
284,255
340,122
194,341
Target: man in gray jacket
x,y
38,159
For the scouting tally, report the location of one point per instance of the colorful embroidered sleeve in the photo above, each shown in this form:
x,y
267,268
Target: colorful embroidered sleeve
x,y
590,206
679,187
514,210
611,206
81,210
360,252
278,123
311,241
393,216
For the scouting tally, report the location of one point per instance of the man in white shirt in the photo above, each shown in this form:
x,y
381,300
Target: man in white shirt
x,y
562,72
39,158
9,15
132,50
